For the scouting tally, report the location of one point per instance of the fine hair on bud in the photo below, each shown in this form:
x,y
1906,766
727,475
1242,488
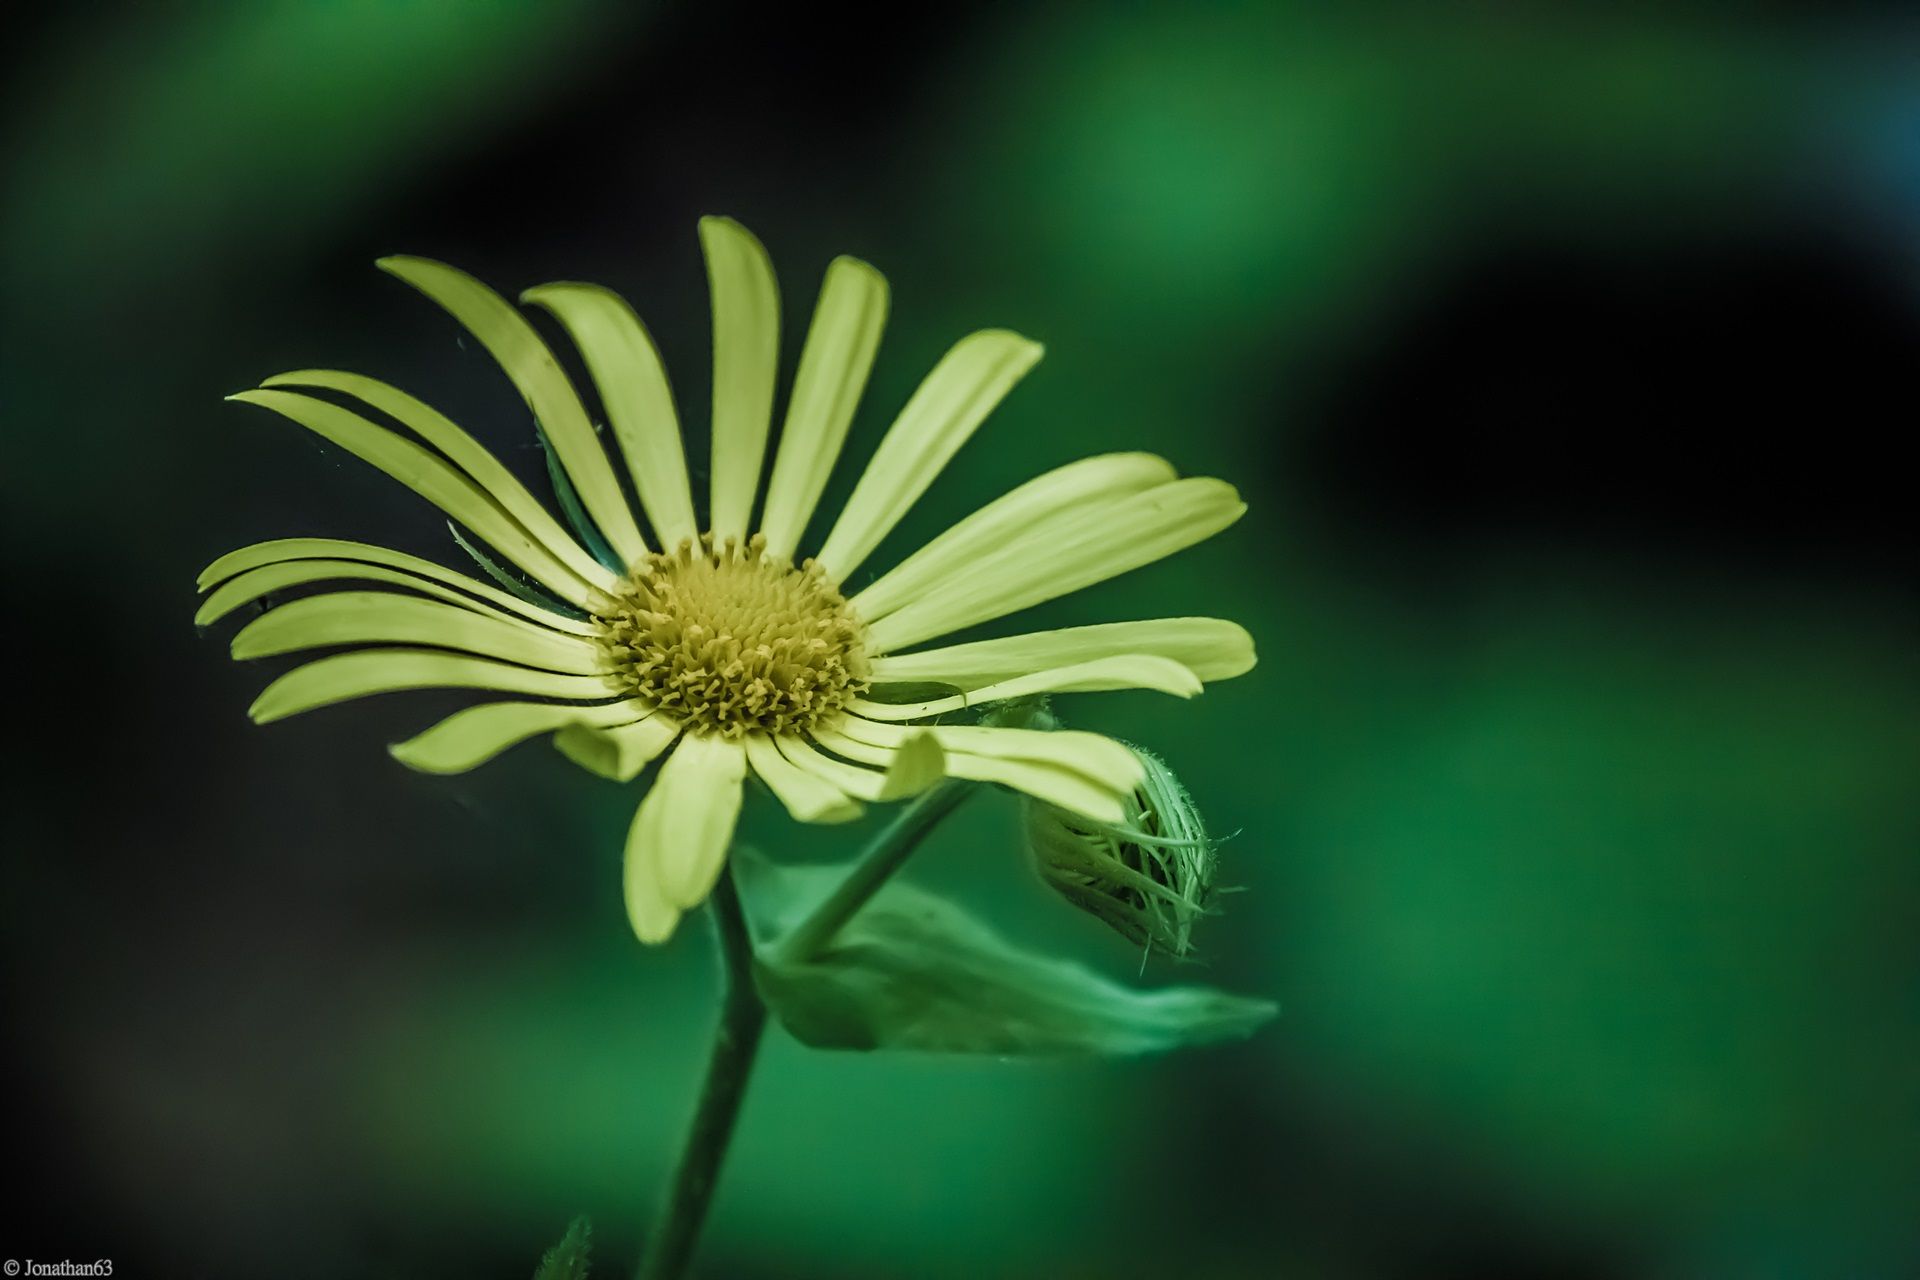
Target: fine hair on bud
x,y
1148,876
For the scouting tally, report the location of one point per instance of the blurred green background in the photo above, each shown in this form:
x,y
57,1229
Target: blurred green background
x,y
1563,353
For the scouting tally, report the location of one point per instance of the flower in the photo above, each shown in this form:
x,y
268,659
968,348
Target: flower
x,y
1148,875
715,646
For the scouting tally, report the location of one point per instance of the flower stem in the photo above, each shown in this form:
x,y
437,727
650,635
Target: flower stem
x,y
743,1017
736,1041
878,861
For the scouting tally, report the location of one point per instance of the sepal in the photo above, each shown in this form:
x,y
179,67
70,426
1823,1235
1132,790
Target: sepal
x,y
568,1260
574,510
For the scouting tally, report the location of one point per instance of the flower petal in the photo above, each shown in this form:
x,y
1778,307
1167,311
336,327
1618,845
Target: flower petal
x,y
916,764
1050,780
807,796
1098,757
1031,511
1213,648
1097,545
633,387
277,550
526,360
466,453
436,480
268,579
1063,787
386,617
467,739
653,918
845,334
621,752
282,550
1130,671
954,399
679,838
746,355
344,676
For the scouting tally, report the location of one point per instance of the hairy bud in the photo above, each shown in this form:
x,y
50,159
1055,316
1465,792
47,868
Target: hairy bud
x,y
1147,876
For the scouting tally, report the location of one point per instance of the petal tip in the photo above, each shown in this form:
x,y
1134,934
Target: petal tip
x,y
414,756
416,270
589,750
716,229
408,755
919,762
545,295
657,932
846,809
1030,348
652,917
846,262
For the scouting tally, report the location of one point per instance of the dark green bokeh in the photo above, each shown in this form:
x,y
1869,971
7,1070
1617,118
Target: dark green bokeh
x,y
1573,796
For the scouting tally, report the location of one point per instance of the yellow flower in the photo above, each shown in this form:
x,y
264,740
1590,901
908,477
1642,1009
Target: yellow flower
x,y
720,639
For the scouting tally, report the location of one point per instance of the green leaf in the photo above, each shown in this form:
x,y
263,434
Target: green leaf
x,y
571,507
568,1259
914,971
509,580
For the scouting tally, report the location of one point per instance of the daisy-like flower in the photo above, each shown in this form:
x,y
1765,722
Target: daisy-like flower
x,y
717,645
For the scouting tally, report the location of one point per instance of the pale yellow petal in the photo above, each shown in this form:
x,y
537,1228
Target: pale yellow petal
x,y
653,917
386,617
1119,537
1028,513
506,334
1212,648
466,453
680,835
1048,779
369,671
1055,784
940,417
467,739
841,342
436,480
269,579
916,764
1131,671
1098,757
280,550
633,387
746,355
866,753
621,752
807,796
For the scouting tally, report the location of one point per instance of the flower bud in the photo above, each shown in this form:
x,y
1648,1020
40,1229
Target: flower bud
x,y
1147,876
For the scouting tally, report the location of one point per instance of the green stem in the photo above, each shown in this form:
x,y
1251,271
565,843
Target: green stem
x,y
735,1043
877,861
743,1017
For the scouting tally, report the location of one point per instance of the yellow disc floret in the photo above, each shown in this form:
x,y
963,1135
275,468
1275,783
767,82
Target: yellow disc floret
x,y
731,641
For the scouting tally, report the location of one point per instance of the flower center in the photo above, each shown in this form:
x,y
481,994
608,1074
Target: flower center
x,y
733,642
